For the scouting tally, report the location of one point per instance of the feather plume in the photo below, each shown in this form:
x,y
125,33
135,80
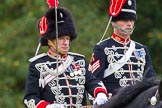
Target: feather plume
x,y
116,7
52,3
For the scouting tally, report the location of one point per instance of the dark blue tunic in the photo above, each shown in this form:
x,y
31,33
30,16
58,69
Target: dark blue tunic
x,y
108,53
44,87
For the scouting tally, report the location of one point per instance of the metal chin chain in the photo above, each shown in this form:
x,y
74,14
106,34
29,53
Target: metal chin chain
x,y
153,100
128,32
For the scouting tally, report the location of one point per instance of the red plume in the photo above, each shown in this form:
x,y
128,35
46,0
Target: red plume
x,y
116,7
53,3
43,26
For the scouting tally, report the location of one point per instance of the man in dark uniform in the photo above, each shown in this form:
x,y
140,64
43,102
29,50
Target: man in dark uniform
x,y
119,61
59,78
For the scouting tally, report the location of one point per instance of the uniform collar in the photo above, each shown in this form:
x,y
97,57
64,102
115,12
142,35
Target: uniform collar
x,y
120,38
53,55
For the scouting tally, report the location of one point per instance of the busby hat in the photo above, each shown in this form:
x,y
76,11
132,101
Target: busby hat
x,y
47,25
128,11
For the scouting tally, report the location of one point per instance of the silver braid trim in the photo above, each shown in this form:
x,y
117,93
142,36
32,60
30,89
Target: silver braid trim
x,y
129,10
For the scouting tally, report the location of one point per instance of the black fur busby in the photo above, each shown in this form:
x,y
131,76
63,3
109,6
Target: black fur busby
x,y
128,11
65,24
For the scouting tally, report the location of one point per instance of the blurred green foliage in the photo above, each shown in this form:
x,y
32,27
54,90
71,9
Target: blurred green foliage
x,y
19,37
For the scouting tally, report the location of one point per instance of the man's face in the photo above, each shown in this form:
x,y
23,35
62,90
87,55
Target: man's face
x,y
125,25
64,43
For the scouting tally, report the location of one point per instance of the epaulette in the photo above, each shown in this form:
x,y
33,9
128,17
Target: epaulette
x,y
103,40
138,43
77,54
37,57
